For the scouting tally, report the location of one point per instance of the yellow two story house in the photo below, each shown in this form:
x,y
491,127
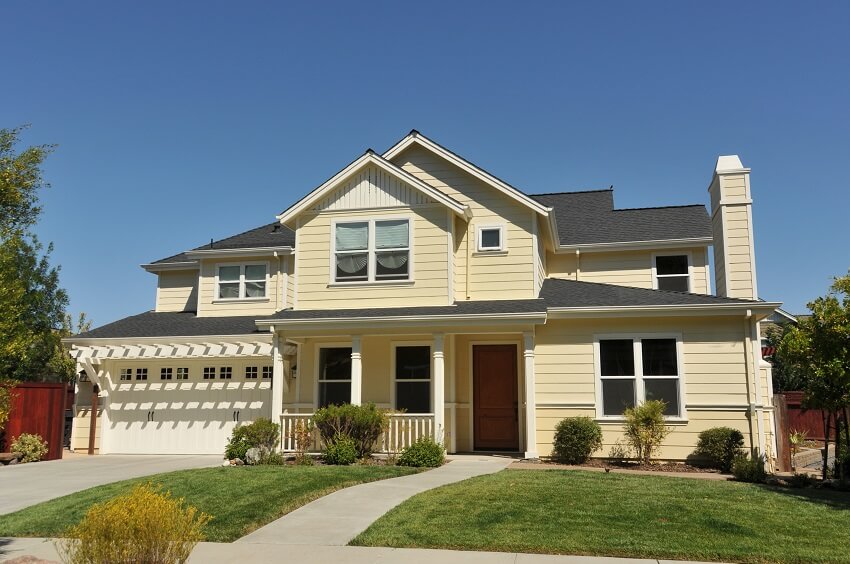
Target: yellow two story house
x,y
478,314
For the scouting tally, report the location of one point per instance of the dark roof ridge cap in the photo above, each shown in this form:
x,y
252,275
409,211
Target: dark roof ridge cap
x,y
609,189
661,207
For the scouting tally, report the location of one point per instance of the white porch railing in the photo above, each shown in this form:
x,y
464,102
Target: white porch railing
x,y
404,430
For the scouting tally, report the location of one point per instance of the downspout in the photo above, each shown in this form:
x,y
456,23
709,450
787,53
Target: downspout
x,y
279,282
752,377
468,255
578,265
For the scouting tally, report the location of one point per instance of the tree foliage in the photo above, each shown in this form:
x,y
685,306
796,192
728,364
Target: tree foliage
x,y
787,377
819,347
32,304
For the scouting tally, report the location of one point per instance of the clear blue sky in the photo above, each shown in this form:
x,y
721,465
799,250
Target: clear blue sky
x,y
177,122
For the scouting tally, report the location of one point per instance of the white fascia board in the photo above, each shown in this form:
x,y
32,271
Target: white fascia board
x,y
636,245
407,321
183,265
195,339
241,252
463,164
760,310
370,158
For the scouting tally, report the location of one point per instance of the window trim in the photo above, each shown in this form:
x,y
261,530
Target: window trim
x,y
503,242
393,380
316,370
242,298
640,393
371,251
655,274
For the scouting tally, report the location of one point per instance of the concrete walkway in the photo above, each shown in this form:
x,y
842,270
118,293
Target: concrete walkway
x,y
337,518
23,485
216,553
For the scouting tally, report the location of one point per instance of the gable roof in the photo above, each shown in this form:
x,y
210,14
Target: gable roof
x,y
265,236
414,137
370,158
589,218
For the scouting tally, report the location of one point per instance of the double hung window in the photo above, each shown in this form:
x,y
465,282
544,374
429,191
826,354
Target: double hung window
x,y
241,281
372,251
334,376
672,272
413,379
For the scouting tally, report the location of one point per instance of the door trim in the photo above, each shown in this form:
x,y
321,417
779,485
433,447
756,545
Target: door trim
x,y
520,394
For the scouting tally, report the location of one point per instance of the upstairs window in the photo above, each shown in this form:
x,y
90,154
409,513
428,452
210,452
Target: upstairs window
x,y
491,238
242,281
672,272
372,251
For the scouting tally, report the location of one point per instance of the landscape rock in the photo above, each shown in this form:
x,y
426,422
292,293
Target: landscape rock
x,y
252,456
226,463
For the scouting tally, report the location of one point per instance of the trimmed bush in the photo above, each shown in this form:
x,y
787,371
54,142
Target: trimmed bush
x,y
424,453
341,451
32,447
262,434
645,428
363,423
749,469
717,447
576,438
144,525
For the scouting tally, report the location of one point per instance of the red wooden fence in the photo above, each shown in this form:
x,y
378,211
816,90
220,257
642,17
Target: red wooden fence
x,y
38,408
799,419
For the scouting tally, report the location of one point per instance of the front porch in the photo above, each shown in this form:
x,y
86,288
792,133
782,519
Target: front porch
x,y
467,390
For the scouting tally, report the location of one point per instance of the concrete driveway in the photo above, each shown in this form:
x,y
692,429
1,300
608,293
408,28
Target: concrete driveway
x,y
23,485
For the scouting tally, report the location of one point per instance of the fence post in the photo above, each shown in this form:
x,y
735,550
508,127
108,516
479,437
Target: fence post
x,y
783,441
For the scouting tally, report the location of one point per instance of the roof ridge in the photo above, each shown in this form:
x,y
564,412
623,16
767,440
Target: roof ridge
x,y
661,207
609,189
236,235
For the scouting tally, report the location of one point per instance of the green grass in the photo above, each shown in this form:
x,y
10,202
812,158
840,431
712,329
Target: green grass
x,y
240,499
590,513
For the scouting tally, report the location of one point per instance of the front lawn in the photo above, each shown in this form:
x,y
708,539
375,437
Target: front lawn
x,y
591,513
240,499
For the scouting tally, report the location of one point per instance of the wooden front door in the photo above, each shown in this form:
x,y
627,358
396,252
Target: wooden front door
x,y
494,387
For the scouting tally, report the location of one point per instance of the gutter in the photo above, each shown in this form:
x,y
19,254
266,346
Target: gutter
x,y
165,266
635,245
759,310
408,320
243,251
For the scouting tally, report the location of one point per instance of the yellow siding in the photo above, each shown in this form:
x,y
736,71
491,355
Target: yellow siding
x,y
177,290
508,275
210,306
429,240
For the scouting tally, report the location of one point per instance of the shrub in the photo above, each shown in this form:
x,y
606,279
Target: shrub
x,y
749,468
717,447
801,481
143,525
576,438
302,436
341,451
645,428
32,447
424,453
262,434
363,423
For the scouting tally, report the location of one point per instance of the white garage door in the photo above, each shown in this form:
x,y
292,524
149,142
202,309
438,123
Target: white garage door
x,y
181,417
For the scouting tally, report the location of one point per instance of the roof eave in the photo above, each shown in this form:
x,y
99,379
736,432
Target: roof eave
x,y
760,310
407,320
161,340
243,251
164,266
636,245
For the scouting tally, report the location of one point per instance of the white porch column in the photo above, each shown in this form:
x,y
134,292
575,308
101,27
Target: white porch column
x,y
530,401
277,375
356,371
439,388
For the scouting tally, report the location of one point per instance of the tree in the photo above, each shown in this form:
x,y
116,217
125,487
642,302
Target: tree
x,y
786,376
32,304
819,347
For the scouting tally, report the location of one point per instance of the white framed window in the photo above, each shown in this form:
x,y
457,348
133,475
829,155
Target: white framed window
x,y
631,369
182,373
412,378
371,250
491,238
242,281
166,373
250,372
225,373
141,373
334,376
126,374
267,372
209,372
672,272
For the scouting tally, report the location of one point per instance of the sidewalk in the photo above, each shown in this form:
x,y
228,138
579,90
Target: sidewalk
x,y
335,519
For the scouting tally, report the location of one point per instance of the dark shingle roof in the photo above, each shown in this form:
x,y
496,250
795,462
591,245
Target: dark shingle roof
x,y
558,292
173,324
589,217
270,235
459,308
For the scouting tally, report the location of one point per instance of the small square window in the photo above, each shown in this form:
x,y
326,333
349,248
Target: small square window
x,y
226,373
267,372
126,374
141,373
491,239
182,373
166,373
209,372
250,372
672,273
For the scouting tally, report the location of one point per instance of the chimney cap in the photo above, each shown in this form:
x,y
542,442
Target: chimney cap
x,y
729,163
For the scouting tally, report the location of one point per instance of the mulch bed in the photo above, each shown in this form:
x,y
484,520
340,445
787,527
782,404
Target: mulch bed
x,y
611,466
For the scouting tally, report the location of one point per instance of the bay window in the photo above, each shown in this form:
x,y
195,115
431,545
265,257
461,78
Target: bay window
x,y
637,369
372,251
241,281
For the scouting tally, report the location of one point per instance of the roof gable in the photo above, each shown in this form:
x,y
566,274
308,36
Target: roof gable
x,y
370,172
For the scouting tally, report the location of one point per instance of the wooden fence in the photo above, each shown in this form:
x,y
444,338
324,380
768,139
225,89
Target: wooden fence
x,y
38,408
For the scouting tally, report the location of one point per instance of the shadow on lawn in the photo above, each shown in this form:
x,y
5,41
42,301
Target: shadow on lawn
x,y
834,499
